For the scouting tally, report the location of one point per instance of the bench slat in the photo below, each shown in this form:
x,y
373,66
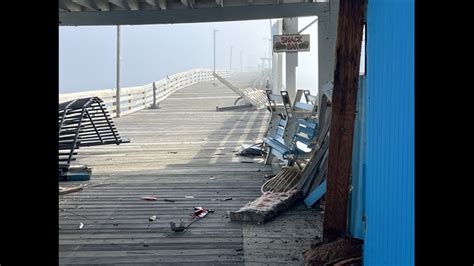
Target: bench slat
x,y
304,106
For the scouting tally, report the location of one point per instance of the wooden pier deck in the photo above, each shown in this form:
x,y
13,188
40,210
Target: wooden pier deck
x,y
184,148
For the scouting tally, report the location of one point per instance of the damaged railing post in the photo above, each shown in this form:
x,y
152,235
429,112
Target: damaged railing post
x,y
117,92
154,106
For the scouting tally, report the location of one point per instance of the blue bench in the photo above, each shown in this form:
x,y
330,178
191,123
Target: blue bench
x,y
306,131
301,142
276,143
310,103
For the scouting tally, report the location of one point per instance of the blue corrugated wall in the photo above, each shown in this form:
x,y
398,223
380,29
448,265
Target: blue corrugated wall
x,y
357,201
389,157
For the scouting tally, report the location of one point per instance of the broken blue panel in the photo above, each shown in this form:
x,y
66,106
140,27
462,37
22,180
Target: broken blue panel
x,y
316,194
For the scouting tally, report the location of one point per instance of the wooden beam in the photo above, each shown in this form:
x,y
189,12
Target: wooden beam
x,y
133,5
344,99
62,6
187,15
87,3
103,5
184,2
162,4
70,6
64,190
151,2
119,3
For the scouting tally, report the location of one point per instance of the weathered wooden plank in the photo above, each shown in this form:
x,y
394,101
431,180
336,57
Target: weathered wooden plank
x,y
344,98
63,190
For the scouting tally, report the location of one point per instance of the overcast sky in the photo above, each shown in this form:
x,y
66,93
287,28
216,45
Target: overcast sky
x,y
87,55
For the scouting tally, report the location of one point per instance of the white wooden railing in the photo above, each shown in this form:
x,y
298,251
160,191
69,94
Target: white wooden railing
x,y
133,99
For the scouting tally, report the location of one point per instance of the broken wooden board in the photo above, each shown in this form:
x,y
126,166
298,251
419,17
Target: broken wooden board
x,y
66,190
266,206
316,194
311,175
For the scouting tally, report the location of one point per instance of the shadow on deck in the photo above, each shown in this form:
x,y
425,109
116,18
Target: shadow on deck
x,y
184,148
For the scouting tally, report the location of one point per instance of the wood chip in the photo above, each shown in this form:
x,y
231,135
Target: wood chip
x,y
149,198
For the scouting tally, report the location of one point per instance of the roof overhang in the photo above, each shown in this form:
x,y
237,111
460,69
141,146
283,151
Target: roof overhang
x,y
135,12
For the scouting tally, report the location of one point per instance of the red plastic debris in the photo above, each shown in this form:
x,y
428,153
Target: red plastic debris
x,y
149,198
200,212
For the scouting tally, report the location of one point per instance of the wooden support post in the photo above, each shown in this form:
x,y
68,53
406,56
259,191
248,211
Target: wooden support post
x,y
344,98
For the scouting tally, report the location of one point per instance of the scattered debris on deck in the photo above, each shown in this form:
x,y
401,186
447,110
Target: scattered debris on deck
x,y
343,251
222,182
198,214
149,198
266,206
253,150
66,190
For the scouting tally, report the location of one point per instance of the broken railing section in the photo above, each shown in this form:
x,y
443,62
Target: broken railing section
x,y
83,122
134,99
255,97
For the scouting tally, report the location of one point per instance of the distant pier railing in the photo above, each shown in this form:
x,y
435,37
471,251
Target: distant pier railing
x,y
133,99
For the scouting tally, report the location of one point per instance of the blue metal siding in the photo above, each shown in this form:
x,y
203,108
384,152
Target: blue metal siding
x,y
357,208
389,238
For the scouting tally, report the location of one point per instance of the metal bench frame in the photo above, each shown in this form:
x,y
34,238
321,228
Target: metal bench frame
x,y
83,122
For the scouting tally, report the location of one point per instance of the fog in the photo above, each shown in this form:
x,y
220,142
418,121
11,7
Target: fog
x,y
87,55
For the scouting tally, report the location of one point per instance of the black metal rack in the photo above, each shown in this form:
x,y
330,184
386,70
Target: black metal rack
x,y
84,122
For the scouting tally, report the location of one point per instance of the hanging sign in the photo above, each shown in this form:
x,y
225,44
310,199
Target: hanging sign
x,y
291,43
